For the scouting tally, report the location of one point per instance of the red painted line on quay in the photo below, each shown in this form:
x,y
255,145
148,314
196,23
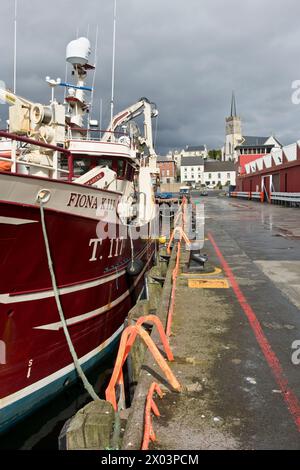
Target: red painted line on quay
x,y
289,396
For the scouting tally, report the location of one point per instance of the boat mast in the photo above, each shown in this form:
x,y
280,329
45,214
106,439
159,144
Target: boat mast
x,y
113,64
15,47
100,120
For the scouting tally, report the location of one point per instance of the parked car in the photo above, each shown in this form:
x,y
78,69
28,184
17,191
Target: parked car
x,y
204,193
164,195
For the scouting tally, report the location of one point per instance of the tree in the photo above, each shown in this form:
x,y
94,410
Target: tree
x,y
215,154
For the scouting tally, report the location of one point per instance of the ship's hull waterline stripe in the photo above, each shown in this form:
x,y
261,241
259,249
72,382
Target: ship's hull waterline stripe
x,y
11,299
45,294
20,394
16,221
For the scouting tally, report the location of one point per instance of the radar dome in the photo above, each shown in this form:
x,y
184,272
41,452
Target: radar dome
x,y
78,51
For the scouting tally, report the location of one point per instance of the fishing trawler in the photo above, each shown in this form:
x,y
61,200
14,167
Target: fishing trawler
x,y
95,197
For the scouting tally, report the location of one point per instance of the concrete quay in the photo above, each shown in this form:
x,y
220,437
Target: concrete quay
x,y
233,337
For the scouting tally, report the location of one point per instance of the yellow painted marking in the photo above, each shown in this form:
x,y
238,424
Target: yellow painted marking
x,y
208,284
10,98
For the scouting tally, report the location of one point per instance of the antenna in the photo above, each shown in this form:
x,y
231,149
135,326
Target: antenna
x,y
66,78
113,64
155,135
95,70
100,119
15,47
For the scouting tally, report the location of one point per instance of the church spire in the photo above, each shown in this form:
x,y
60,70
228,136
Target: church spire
x,y
233,106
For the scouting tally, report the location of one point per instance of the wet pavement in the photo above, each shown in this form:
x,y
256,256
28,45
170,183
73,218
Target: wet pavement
x,y
252,238
233,346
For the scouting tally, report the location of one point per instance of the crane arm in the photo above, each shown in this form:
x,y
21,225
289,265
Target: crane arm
x,y
143,106
25,116
12,99
124,116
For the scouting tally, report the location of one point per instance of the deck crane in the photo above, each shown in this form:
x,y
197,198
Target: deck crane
x,y
143,106
41,123
45,123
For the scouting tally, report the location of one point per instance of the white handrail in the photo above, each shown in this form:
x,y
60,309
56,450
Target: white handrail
x,y
22,162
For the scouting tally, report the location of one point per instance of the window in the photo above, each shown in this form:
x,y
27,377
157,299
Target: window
x,y
219,175
120,168
228,176
104,162
168,172
129,172
209,175
83,164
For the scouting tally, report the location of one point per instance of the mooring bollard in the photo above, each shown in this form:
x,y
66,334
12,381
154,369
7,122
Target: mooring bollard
x,y
90,429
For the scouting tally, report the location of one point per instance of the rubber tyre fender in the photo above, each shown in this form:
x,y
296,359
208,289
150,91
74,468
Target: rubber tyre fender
x,y
134,267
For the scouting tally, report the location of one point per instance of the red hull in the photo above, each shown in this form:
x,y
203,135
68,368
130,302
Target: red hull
x,y
96,293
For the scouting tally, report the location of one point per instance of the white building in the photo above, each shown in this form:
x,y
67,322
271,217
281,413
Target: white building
x,y
253,145
195,151
191,170
216,172
175,154
188,151
195,170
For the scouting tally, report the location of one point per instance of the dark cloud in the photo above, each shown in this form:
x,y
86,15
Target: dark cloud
x,y
186,55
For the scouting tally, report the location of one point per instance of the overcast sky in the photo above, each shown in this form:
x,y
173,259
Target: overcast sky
x,y
185,55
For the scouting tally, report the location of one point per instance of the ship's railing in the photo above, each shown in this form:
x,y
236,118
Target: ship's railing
x,y
31,164
14,161
277,197
244,194
290,199
250,195
91,135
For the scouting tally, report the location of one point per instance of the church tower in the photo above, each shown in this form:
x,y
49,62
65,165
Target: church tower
x,y
233,133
